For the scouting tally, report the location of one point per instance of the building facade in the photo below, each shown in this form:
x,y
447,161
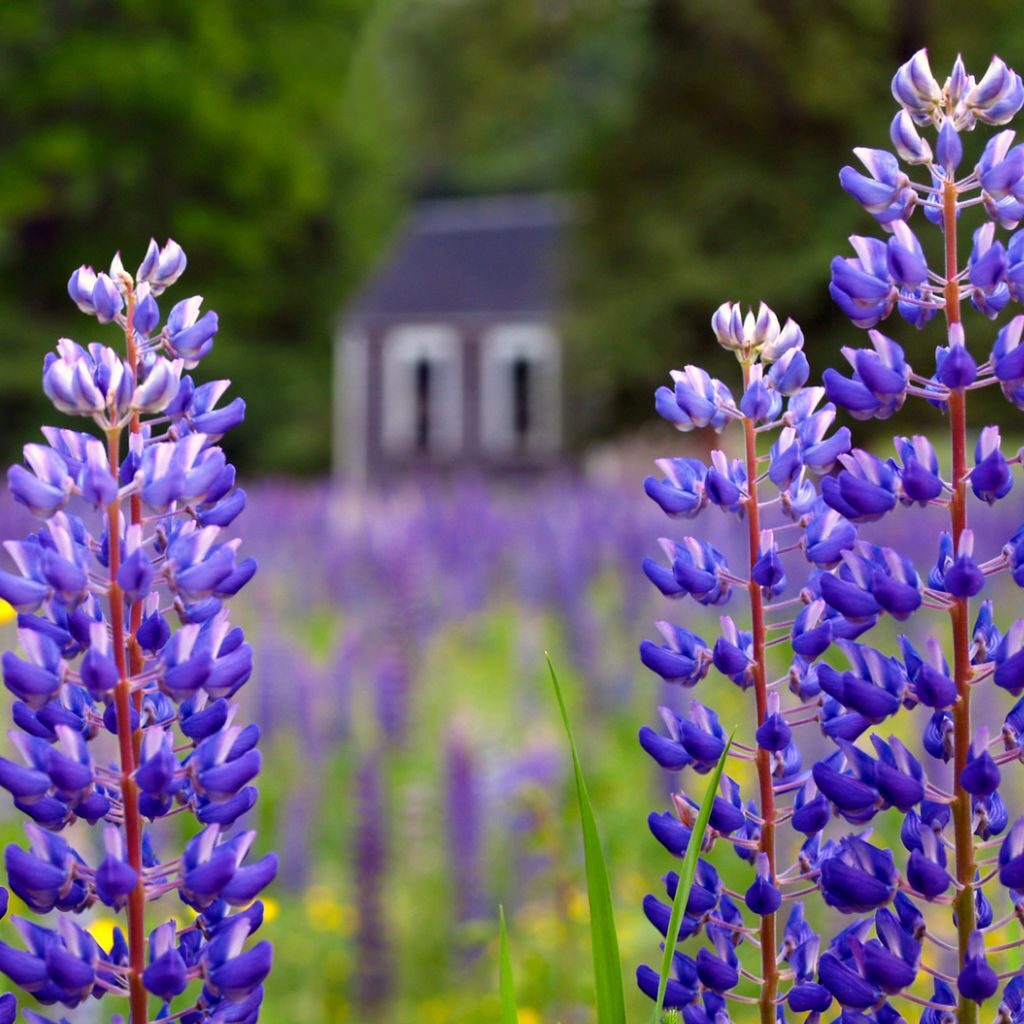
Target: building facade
x,y
450,358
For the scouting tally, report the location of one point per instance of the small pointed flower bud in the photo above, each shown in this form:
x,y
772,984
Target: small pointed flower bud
x,y
1011,857
80,288
963,578
926,867
733,653
47,488
858,877
727,323
115,879
768,572
147,312
670,832
785,465
787,340
844,978
866,488
811,810
763,897
914,86
681,494
189,336
725,482
161,267
773,734
1008,360
95,294
998,96
156,391
887,194
863,287
684,659
760,402
977,981
981,775
955,367
991,478
99,673
812,631
949,149
905,257
119,275
702,400
907,141
810,997
696,567
765,329
718,971
958,83
789,374
106,299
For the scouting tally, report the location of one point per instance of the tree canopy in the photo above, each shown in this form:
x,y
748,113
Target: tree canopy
x,y
278,143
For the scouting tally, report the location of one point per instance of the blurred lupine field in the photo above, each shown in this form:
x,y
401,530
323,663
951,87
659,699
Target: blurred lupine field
x,y
416,774
423,775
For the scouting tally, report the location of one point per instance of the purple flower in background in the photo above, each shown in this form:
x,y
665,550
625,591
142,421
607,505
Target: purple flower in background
x,y
393,694
465,827
370,855
124,689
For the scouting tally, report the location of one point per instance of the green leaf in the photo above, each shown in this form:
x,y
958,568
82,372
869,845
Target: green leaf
x,y
686,874
509,1013
611,1006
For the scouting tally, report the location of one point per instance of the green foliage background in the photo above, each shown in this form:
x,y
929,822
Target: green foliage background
x,y
280,142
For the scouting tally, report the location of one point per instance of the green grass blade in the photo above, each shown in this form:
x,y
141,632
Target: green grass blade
x,y
611,1005
686,873
509,1012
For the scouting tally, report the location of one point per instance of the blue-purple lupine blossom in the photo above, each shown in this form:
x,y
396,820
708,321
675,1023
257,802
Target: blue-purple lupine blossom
x,y
124,688
370,852
929,930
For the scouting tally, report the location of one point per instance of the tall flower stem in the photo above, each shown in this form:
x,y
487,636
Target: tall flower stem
x,y
769,968
126,744
135,513
128,658
960,617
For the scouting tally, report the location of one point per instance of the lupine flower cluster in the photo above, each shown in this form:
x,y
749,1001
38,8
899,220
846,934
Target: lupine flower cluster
x,y
916,933
123,712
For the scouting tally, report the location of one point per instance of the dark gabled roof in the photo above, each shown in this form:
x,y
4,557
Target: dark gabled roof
x,y
491,256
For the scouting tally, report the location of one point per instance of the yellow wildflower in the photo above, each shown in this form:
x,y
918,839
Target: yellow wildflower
x,y
102,930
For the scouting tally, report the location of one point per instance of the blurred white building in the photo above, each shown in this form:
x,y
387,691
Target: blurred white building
x,y
450,357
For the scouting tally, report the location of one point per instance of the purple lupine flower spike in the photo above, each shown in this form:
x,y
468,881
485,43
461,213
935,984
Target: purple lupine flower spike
x,y
972,809
370,853
465,821
962,836
774,398
122,719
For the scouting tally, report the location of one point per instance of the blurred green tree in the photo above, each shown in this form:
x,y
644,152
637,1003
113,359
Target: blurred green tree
x,y
702,138
278,142
233,126
723,182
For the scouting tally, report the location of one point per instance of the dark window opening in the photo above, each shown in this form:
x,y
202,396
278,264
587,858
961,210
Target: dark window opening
x,y
521,401
423,385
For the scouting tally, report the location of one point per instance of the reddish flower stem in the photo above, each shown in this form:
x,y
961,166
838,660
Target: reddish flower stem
x,y
128,660
769,968
135,511
960,621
